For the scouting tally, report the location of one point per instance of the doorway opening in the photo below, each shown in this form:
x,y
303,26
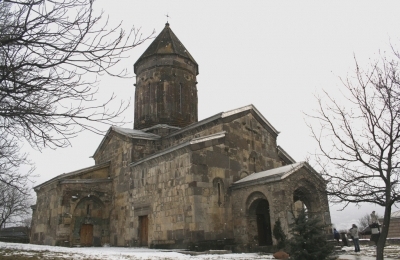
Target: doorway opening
x,y
86,235
263,223
259,220
143,230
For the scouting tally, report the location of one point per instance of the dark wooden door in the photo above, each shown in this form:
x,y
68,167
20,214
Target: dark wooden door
x,y
143,230
87,235
263,224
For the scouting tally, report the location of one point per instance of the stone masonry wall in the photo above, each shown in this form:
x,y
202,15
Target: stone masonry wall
x,y
122,150
53,217
249,142
45,216
165,95
157,189
185,193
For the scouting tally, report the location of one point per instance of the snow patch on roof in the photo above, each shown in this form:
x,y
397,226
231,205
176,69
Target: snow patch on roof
x,y
176,147
275,174
134,133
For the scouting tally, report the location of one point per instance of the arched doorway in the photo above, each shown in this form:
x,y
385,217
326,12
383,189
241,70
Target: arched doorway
x,y
263,223
306,197
260,222
301,201
89,223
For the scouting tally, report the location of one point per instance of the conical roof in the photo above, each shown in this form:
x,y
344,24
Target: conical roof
x,y
166,43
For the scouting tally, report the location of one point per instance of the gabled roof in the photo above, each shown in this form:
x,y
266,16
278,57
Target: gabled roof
x,y
131,133
233,112
141,134
284,155
193,141
166,43
73,174
134,133
273,175
158,126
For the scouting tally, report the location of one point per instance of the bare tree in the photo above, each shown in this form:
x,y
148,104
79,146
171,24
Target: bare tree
x,y
14,204
47,50
27,222
359,140
11,160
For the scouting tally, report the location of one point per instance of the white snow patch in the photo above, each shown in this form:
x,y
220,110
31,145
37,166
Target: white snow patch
x,y
122,253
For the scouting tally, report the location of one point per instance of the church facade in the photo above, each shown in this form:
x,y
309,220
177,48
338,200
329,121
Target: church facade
x,y
175,182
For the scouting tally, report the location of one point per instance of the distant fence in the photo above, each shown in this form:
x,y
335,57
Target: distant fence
x,y
389,241
24,240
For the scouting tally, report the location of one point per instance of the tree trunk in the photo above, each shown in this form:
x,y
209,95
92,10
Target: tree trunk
x,y
384,232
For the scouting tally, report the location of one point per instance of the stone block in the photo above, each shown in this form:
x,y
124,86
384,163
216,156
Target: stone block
x,y
67,220
199,169
217,160
198,159
197,235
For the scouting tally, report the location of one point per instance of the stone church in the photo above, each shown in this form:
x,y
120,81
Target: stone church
x,y
175,182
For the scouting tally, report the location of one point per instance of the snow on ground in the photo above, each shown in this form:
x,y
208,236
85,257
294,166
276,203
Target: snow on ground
x,y
392,252
137,253
120,253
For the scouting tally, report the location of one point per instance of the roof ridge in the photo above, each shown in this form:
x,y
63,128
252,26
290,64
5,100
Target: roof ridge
x,y
171,34
170,149
156,45
73,173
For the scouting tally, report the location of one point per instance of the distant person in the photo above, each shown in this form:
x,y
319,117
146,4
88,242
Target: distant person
x,y
336,235
374,218
354,235
374,226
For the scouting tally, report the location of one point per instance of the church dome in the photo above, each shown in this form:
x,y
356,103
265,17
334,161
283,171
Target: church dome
x,y
164,44
166,91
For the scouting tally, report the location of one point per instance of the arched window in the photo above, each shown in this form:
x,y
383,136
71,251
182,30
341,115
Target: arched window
x,y
219,193
142,177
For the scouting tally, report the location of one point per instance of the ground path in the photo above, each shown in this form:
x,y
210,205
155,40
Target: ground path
x,y
22,251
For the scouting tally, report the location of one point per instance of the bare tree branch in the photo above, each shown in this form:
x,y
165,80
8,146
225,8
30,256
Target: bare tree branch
x,y
46,49
359,139
51,55
14,204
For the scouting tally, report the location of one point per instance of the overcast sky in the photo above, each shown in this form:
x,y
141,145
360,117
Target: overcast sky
x,y
275,55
